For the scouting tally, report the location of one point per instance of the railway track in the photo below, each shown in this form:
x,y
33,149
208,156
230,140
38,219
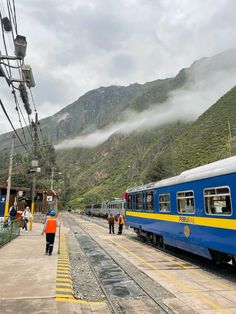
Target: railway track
x,y
125,287
225,270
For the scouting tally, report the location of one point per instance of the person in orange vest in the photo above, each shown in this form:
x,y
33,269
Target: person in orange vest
x,y
50,228
121,223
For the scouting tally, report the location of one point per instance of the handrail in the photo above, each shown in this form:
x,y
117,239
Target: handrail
x,y
9,230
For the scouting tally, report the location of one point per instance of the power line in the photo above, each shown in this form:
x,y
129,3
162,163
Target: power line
x,y
8,118
19,108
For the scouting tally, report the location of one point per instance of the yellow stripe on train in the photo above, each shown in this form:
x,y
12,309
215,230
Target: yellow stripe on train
x,y
193,220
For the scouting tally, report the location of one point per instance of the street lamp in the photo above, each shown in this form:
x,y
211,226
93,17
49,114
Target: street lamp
x,y
28,75
20,46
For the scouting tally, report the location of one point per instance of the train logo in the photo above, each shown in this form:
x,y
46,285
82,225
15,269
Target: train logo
x,y
187,231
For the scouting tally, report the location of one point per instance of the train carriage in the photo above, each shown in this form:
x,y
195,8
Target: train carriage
x,y
115,206
195,211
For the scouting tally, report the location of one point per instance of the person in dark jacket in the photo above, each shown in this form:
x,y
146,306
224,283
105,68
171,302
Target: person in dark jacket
x,y
13,211
111,222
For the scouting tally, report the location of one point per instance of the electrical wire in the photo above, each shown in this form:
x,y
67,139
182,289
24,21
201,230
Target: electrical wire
x,y
8,118
8,70
19,108
14,16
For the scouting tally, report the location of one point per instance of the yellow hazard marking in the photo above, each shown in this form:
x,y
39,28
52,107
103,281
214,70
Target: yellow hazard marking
x,y
63,277
60,299
63,268
64,289
63,284
64,280
62,295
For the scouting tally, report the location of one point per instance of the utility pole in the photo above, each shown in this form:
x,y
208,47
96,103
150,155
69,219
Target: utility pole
x,y
34,165
52,177
9,178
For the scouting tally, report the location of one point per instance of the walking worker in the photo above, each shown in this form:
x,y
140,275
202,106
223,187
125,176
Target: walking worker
x,y
50,228
121,223
111,221
26,215
13,211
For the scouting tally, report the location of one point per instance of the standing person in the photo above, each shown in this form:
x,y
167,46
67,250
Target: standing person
x,y
111,221
13,211
50,228
121,223
26,215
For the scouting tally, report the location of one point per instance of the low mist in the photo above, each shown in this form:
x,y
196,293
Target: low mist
x,y
185,104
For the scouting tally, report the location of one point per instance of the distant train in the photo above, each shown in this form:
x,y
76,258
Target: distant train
x,y
116,206
195,211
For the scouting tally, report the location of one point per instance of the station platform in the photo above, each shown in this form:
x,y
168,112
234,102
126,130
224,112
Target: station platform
x,y
32,282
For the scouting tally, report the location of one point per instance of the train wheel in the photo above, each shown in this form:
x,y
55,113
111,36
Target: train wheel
x,y
234,261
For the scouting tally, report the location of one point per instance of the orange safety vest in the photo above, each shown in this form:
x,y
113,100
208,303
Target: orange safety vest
x,y
51,225
121,220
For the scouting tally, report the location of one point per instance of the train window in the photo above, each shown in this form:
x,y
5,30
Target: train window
x,y
139,201
164,202
185,202
149,201
129,198
217,201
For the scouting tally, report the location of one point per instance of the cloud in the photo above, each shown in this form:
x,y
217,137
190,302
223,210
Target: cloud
x,y
185,104
76,46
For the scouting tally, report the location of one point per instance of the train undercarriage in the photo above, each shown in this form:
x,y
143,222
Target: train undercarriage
x,y
158,240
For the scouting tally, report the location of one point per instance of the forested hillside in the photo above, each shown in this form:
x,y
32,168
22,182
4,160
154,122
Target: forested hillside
x,y
173,137
211,137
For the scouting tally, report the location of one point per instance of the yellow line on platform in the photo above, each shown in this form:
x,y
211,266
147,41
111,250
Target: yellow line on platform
x,y
63,276
64,280
63,272
79,301
64,289
62,268
65,296
194,271
174,280
63,284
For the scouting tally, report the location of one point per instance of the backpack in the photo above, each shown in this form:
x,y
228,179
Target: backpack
x,y
13,212
111,219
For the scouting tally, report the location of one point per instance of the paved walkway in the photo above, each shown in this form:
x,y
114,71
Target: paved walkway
x,y
30,282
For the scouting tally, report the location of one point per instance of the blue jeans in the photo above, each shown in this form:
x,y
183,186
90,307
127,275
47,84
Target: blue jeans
x,y
25,224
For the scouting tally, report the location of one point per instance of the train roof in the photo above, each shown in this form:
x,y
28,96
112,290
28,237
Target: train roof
x,y
217,168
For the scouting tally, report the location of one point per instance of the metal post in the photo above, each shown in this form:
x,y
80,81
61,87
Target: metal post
x,y
52,177
32,200
9,179
59,241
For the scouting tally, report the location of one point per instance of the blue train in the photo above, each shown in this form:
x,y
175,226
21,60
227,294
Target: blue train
x,y
194,211
116,206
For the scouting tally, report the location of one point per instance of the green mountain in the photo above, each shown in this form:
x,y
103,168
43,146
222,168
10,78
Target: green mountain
x,y
211,137
157,151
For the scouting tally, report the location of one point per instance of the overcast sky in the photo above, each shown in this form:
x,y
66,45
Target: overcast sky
x,y
75,46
